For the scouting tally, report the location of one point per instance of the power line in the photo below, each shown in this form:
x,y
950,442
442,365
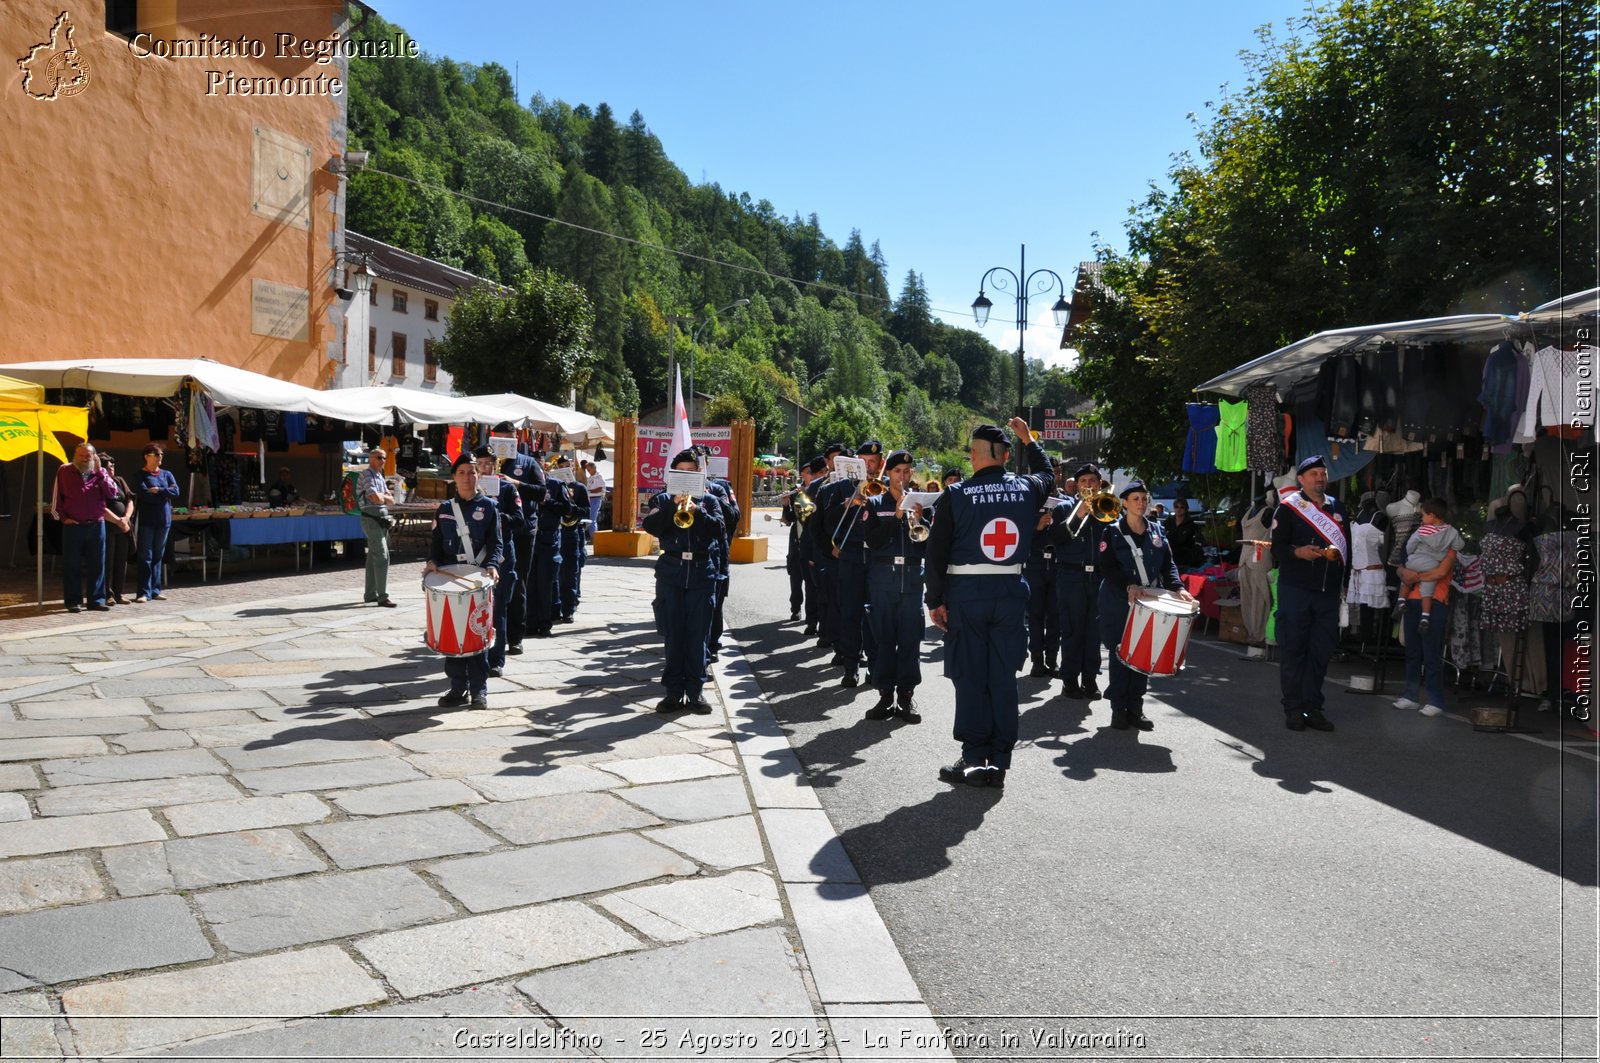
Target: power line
x,y
649,246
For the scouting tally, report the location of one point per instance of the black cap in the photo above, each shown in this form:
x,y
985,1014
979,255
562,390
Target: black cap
x,y
991,434
816,464
1136,485
898,457
1088,469
871,446
834,448
684,455
1313,462
483,452
464,459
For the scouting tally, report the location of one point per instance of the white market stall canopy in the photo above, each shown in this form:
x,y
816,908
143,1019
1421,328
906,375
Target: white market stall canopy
x,y
228,386
1302,359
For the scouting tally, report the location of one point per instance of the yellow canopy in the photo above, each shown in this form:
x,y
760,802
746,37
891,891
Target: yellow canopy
x,y
21,390
23,421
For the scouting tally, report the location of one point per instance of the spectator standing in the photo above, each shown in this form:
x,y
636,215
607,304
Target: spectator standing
x,y
79,503
119,538
154,490
597,493
372,493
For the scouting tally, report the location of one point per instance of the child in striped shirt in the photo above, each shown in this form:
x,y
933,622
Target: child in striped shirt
x,y
1427,548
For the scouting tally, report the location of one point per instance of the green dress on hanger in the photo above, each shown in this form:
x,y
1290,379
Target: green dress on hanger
x,y
1231,436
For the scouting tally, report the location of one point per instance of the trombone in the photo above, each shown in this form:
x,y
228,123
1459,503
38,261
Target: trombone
x,y
1102,505
868,488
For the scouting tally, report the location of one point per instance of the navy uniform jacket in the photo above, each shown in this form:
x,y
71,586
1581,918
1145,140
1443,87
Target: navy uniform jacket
x,y
702,540
723,490
578,503
555,505
1115,564
1291,530
888,538
1082,548
530,485
483,528
995,505
513,525
831,507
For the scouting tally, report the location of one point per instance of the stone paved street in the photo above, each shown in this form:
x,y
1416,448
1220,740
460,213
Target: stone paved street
x,y
223,816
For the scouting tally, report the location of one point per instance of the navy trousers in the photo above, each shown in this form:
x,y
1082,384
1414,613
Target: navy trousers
x,y
1078,604
570,574
684,613
1044,627
543,590
714,633
517,622
1308,633
83,556
469,674
897,626
1125,689
824,576
855,636
505,592
986,644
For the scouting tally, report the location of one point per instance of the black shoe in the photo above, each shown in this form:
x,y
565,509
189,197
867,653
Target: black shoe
x,y
496,672
963,774
454,700
99,607
1050,663
1318,722
1424,624
515,649
839,660
794,617
543,633
671,703
387,603
1090,691
851,678
1142,722
480,700
1119,719
562,620
884,708
1071,689
74,609
906,708
699,706
995,777
1039,670
1295,722
811,629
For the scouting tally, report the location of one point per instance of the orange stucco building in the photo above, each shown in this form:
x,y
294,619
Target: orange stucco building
x,y
170,181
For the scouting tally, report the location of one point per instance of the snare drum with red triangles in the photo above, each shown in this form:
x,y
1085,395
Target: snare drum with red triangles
x,y
460,601
1156,636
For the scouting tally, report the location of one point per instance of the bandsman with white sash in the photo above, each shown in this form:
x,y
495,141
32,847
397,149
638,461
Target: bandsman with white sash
x,y
1311,545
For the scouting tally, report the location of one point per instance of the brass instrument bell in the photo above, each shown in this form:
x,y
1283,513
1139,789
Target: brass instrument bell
x,y
1103,506
918,532
683,517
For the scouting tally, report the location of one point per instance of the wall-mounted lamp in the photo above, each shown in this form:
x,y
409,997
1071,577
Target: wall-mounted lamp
x,y
358,275
348,163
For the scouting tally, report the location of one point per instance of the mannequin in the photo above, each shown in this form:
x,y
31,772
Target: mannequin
x,y
1552,593
1507,571
1255,597
1368,581
1404,516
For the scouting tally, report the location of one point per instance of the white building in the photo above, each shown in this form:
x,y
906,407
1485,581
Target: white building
x,y
401,319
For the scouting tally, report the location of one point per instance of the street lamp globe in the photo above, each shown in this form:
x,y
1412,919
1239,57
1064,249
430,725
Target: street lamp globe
x,y
980,308
1061,310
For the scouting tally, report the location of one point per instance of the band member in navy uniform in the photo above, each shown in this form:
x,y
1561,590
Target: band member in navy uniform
x,y
1077,537
480,545
1133,555
528,478
508,502
824,566
569,580
1311,546
982,530
894,579
686,575
849,549
795,562
818,468
543,591
730,527
1044,625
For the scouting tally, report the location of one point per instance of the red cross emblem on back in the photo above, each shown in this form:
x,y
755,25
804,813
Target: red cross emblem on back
x,y
999,539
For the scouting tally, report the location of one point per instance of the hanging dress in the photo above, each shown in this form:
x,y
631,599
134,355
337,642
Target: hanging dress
x,y
1369,584
1231,436
1200,449
1505,590
1262,447
1549,598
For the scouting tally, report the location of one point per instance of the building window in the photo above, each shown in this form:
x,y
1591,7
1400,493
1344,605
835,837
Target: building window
x,y
372,295
372,351
122,17
397,346
430,309
399,301
430,362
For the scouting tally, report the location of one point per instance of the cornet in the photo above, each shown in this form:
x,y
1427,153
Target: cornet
x,y
1102,505
683,517
918,532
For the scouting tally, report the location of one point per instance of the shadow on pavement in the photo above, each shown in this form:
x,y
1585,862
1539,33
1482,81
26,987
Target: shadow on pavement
x,y
915,842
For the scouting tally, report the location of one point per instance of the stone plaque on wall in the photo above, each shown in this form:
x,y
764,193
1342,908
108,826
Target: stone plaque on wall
x,y
280,310
280,186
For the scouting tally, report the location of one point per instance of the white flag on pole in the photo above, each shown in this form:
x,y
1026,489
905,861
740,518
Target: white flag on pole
x,y
680,422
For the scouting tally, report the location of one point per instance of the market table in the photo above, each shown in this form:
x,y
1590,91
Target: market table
x,y
269,531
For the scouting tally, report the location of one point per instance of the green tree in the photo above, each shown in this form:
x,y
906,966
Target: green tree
x,y
533,340
842,420
602,146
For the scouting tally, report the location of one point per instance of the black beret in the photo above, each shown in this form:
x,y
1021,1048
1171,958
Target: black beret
x,y
483,452
684,455
1086,470
1136,485
871,446
816,464
1313,462
991,434
898,457
834,448
464,459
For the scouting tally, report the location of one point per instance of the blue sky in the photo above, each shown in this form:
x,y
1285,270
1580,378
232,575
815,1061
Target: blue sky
x,y
950,132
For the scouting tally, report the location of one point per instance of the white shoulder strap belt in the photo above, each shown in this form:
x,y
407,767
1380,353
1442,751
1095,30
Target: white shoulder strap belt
x,y
464,537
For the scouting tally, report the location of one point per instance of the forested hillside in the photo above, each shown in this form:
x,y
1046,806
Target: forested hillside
x,y
821,326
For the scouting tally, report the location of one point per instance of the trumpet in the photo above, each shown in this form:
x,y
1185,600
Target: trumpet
x,y
1103,506
918,532
683,517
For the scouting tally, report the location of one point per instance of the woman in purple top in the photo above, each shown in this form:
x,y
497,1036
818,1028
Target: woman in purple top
x,y
154,488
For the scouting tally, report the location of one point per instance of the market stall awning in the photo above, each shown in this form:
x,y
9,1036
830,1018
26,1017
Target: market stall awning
x,y
1301,360
580,428
1579,310
15,390
163,377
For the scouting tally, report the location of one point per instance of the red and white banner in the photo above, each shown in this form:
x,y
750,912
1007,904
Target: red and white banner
x,y
657,446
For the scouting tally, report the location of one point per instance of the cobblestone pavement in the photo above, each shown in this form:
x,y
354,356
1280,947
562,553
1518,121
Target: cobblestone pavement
x,y
234,824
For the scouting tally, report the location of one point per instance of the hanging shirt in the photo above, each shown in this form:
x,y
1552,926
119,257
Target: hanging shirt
x,y
1556,394
1498,395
